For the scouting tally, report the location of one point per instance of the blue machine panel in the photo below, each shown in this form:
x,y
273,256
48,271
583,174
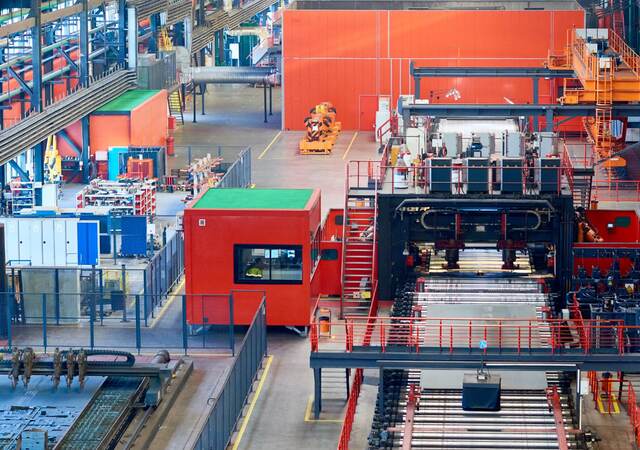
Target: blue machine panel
x,y
88,243
134,235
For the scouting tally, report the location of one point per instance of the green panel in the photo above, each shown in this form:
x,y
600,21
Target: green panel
x,y
622,222
128,101
254,199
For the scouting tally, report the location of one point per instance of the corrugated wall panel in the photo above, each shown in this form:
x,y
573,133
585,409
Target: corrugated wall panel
x,y
346,57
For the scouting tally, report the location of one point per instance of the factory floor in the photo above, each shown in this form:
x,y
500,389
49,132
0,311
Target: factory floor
x,y
282,415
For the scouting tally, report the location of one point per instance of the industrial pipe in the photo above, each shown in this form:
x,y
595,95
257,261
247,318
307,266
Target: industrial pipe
x,y
229,75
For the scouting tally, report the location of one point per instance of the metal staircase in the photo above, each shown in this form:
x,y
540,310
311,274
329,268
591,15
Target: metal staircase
x,y
581,189
175,105
359,240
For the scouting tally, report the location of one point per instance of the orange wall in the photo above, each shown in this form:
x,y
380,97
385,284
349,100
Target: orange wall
x,y
145,126
108,131
351,57
149,124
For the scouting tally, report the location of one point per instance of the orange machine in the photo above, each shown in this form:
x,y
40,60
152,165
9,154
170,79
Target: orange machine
x,y
322,130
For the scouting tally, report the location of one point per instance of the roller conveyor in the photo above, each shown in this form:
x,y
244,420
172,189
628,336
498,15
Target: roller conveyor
x,y
524,421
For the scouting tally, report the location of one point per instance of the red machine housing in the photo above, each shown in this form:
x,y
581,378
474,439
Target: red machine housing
x,y
618,229
211,236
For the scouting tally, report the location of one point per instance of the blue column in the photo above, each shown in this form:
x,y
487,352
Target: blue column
x,y
84,80
36,94
122,33
536,100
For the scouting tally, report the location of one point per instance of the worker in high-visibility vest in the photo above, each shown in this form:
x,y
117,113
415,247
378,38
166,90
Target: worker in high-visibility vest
x,y
256,270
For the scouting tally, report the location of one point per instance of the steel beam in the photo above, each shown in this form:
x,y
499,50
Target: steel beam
x,y
65,136
542,360
506,110
24,176
490,72
23,84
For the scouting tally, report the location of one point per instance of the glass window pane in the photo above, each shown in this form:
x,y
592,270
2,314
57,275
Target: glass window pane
x,y
268,264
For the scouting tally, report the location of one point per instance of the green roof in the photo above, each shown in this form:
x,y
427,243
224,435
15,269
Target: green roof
x,y
254,199
127,101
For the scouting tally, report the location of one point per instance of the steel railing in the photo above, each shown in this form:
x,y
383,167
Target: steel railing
x,y
516,336
362,175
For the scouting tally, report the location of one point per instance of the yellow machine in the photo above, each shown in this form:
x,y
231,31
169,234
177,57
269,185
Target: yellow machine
x,y
52,161
322,130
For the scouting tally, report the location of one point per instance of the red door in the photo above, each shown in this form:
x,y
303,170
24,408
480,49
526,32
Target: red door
x,y
368,108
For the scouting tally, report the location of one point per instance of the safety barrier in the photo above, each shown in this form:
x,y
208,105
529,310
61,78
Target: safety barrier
x,y
627,54
457,179
515,336
238,175
226,409
616,190
352,403
633,410
96,321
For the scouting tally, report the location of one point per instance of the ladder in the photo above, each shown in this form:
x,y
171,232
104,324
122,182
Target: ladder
x,y
358,254
604,101
175,105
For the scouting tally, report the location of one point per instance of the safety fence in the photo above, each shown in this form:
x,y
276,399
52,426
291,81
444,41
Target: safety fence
x,y
158,73
117,321
226,409
515,336
442,176
152,280
356,385
238,175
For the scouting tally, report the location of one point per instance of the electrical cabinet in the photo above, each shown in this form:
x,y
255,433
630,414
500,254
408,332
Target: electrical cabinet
x,y
49,242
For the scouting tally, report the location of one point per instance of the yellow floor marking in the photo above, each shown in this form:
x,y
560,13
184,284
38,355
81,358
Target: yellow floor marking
x,y
252,405
270,144
168,303
307,415
350,144
603,410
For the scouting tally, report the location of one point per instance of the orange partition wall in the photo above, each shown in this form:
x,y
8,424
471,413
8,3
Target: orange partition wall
x,y
352,57
149,122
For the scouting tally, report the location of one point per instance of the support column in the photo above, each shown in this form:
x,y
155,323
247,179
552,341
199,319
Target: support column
x,y
549,119
264,100
270,100
317,396
416,82
203,87
195,97
578,402
132,39
84,80
122,36
536,100
35,99
381,392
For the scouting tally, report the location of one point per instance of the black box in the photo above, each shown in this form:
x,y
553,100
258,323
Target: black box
x,y
481,394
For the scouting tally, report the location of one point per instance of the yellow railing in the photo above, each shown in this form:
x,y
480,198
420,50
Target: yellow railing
x,y
627,54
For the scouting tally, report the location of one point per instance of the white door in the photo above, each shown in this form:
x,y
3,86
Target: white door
x,y
11,240
60,246
72,241
48,243
24,229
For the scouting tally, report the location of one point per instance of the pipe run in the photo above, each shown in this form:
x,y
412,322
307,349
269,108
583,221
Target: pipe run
x,y
232,75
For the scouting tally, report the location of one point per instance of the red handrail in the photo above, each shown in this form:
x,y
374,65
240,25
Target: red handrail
x,y
349,417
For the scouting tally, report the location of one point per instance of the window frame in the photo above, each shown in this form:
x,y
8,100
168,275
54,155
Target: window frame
x,y
237,254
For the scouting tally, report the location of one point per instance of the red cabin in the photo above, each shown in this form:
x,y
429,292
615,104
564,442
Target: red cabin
x,y
253,240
